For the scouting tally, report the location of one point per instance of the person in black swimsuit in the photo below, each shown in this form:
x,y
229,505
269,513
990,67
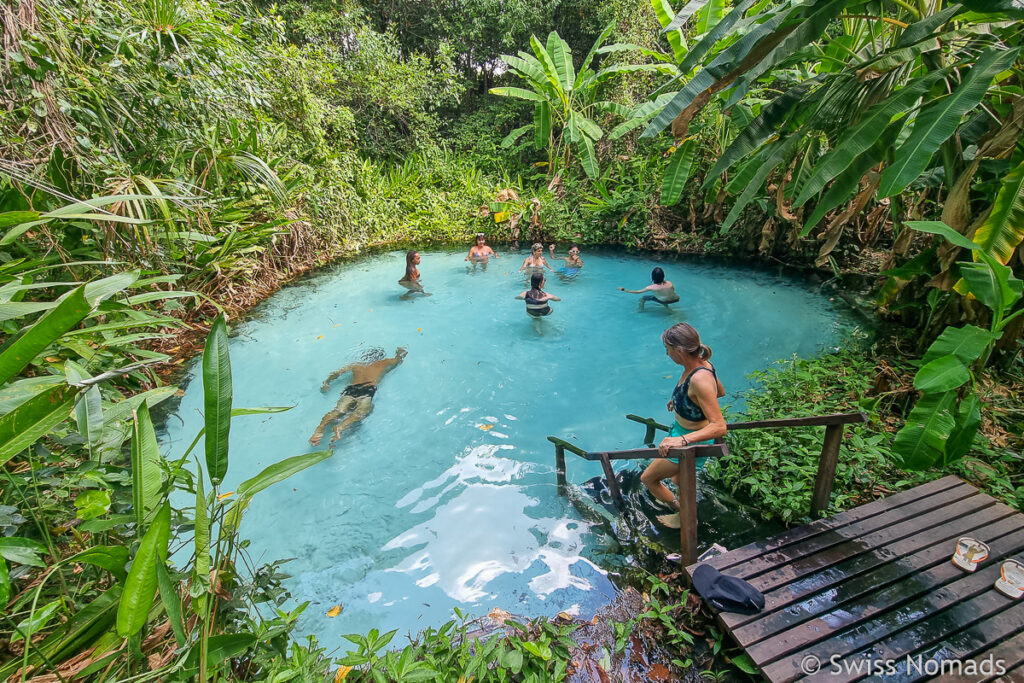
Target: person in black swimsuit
x,y
536,298
356,401
694,402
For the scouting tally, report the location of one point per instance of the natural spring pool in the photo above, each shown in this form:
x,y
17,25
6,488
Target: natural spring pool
x,y
445,495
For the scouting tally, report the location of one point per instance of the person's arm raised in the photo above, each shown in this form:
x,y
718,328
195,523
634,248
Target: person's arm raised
x,y
335,375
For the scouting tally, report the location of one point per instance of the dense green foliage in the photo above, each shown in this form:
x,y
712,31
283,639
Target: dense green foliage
x,y
187,157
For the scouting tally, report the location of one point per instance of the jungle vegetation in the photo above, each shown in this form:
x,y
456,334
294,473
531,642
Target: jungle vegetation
x,y
165,163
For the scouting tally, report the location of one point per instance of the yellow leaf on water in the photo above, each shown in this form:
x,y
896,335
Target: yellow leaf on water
x,y
668,376
342,674
339,324
320,337
419,329
486,427
334,611
371,310
225,495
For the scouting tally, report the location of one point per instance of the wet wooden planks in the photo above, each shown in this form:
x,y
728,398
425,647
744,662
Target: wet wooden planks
x,y
871,592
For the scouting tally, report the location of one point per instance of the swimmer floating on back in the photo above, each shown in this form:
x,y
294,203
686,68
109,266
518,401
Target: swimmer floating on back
x,y
573,262
536,298
536,258
661,290
411,279
480,250
356,401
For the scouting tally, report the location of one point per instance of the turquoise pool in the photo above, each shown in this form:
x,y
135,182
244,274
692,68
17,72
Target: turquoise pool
x,y
445,495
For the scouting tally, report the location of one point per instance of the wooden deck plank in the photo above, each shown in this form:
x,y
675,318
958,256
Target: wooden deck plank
x,y
752,550
944,578
868,543
970,643
930,506
991,612
826,590
895,632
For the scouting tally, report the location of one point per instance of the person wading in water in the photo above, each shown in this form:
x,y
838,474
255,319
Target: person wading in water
x,y
356,401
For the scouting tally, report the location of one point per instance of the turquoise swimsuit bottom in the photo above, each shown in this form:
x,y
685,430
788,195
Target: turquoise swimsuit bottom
x,y
679,430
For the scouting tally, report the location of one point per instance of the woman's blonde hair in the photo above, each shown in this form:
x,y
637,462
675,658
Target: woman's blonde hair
x,y
536,246
683,336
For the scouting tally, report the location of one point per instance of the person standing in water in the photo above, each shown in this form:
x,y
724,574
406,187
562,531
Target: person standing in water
x,y
661,290
356,401
480,251
411,279
536,259
573,262
694,402
536,298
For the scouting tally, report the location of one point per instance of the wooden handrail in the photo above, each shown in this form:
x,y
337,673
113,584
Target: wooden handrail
x,y
827,463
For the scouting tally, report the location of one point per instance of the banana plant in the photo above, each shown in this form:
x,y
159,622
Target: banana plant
x,y
942,426
566,101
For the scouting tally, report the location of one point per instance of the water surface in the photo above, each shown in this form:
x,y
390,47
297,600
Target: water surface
x,y
445,495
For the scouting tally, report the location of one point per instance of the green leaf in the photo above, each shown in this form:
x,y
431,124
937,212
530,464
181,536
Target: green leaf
x,y
519,93
945,373
89,408
11,218
863,136
201,539
141,585
588,158
5,585
709,16
113,558
548,64
1003,230
938,121
33,419
217,394
280,471
992,283
561,55
17,354
773,156
920,444
966,343
147,476
221,647
924,28
92,503
585,64
22,551
512,137
968,420
172,603
705,44
940,228
664,12
35,621
541,125
677,173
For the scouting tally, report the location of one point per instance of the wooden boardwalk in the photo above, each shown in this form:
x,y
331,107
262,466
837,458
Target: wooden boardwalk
x,y
876,583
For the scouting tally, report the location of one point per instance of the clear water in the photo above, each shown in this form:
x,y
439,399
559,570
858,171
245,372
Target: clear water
x,y
445,495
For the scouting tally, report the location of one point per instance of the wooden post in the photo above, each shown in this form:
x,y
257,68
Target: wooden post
x,y
609,474
649,436
826,469
560,469
688,505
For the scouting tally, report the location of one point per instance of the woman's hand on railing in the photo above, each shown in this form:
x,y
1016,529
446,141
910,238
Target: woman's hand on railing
x,y
669,443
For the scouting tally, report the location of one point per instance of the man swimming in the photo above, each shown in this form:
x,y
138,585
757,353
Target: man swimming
x,y
357,399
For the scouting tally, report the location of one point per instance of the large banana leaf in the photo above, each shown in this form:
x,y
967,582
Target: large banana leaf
x,y
147,476
943,374
993,284
704,45
966,343
33,419
968,420
1003,230
519,93
920,30
527,66
20,351
677,21
512,137
541,125
764,126
666,17
217,395
561,55
938,121
585,64
640,114
709,16
588,158
772,158
862,136
920,444
677,173
550,71
141,585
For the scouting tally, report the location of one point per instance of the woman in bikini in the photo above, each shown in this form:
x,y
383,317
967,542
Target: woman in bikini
x,y
411,279
698,417
536,259
480,251
661,290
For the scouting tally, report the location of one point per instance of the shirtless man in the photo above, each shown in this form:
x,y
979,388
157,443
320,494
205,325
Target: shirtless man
x,y
357,398
661,290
